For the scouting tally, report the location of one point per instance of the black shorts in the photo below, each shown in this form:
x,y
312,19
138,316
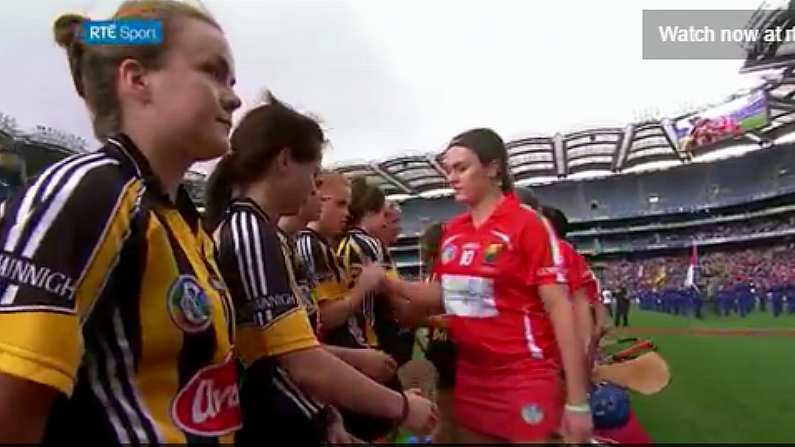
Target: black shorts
x,y
443,354
278,414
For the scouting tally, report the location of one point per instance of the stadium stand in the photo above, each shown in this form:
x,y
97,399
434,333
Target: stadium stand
x,y
23,155
639,200
638,197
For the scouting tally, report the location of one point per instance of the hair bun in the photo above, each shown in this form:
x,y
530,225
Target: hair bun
x,y
66,29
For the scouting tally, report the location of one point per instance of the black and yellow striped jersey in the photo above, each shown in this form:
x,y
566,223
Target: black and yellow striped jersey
x,y
254,257
356,248
304,278
109,293
328,283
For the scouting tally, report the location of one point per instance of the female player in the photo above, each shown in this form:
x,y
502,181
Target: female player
x,y
500,277
441,349
321,271
368,215
119,325
269,172
373,321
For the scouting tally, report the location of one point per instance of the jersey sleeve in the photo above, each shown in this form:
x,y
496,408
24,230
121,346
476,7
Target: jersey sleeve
x,y
350,256
270,320
544,262
391,267
578,274
61,238
326,278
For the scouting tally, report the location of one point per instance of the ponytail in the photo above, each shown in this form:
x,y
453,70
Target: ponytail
x,y
506,177
219,191
263,133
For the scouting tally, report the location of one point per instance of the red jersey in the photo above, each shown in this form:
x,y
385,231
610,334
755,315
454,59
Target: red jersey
x,y
490,277
578,274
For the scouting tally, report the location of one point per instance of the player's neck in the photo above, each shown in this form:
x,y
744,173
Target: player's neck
x,y
266,198
482,210
328,238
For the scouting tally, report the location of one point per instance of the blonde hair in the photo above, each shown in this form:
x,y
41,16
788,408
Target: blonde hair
x,y
331,179
93,67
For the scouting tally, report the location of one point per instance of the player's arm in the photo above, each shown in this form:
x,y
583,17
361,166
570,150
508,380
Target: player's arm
x,y
68,239
329,379
424,297
557,305
375,364
24,424
336,301
334,313
602,320
273,325
546,271
582,316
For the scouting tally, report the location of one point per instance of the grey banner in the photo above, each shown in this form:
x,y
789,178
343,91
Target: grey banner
x,y
704,34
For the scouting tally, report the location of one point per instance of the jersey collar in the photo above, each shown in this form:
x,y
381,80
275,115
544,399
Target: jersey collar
x,y
507,205
143,170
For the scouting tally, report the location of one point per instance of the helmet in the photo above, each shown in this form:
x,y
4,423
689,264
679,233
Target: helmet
x,y
609,406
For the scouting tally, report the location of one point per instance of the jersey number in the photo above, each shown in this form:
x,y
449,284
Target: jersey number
x,y
467,257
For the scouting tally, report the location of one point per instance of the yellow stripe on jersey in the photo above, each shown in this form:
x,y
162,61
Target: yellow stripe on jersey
x,y
158,373
255,258
108,249
330,290
291,332
24,353
50,364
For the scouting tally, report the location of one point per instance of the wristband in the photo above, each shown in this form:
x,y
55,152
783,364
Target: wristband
x,y
581,408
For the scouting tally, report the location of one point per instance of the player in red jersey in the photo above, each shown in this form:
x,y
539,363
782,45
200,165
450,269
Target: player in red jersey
x,y
591,321
583,285
501,278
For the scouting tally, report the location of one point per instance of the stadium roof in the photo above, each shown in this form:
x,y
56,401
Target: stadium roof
x,y
592,152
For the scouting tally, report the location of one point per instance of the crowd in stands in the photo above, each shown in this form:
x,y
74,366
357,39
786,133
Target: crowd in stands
x,y
735,281
703,233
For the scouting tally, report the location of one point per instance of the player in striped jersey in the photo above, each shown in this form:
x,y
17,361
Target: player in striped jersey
x,y
360,246
395,340
373,315
290,226
287,373
323,274
116,326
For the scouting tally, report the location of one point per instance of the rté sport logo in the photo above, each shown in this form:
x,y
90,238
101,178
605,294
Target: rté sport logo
x,y
122,32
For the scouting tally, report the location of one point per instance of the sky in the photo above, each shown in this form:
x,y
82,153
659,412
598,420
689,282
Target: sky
x,y
403,77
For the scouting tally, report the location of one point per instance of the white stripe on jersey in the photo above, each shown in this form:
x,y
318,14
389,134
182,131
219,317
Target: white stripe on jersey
x,y
535,350
248,256
50,214
99,391
557,258
58,203
117,393
24,210
260,259
127,357
235,229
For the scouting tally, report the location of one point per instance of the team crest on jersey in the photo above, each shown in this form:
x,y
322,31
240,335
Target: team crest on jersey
x,y
492,251
189,305
448,254
532,414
